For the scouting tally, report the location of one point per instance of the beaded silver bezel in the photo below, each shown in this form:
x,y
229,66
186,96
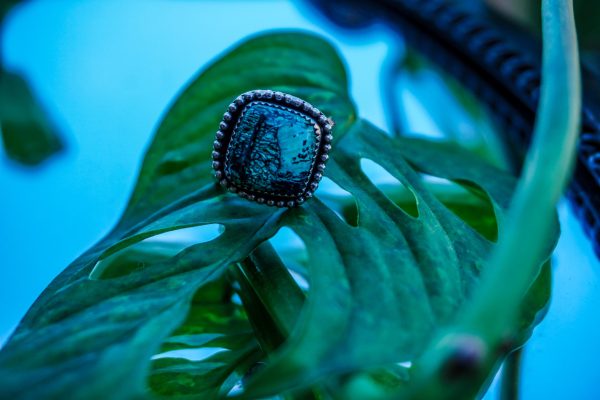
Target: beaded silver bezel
x,y
323,132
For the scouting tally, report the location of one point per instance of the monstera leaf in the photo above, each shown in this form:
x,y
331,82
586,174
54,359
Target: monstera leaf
x,y
139,317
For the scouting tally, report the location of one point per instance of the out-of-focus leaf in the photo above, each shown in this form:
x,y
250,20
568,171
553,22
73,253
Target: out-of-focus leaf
x,y
528,13
27,133
5,7
461,117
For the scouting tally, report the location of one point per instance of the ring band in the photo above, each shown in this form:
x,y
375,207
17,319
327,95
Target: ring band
x,y
271,148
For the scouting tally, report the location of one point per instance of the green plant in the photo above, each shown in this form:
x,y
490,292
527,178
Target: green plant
x,y
28,136
403,275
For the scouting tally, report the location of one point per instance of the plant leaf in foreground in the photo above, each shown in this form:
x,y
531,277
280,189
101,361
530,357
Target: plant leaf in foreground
x,y
115,319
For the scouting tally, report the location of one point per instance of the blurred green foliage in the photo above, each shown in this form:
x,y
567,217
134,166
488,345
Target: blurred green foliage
x,y
28,135
528,13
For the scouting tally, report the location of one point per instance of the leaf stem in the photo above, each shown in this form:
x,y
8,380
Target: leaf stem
x,y
484,332
272,300
511,376
546,173
267,284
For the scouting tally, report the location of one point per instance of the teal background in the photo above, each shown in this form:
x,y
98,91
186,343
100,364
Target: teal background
x,y
107,70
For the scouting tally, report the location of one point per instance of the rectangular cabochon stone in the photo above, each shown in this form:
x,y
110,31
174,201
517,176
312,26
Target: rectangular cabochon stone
x,y
272,150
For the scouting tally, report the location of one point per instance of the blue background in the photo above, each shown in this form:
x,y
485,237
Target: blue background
x,y
107,70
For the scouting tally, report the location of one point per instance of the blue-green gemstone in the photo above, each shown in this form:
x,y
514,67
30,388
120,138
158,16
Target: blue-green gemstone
x,y
272,150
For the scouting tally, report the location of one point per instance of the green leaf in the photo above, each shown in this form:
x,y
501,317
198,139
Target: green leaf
x,y
214,323
28,135
378,291
102,322
104,331
452,106
492,319
178,160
